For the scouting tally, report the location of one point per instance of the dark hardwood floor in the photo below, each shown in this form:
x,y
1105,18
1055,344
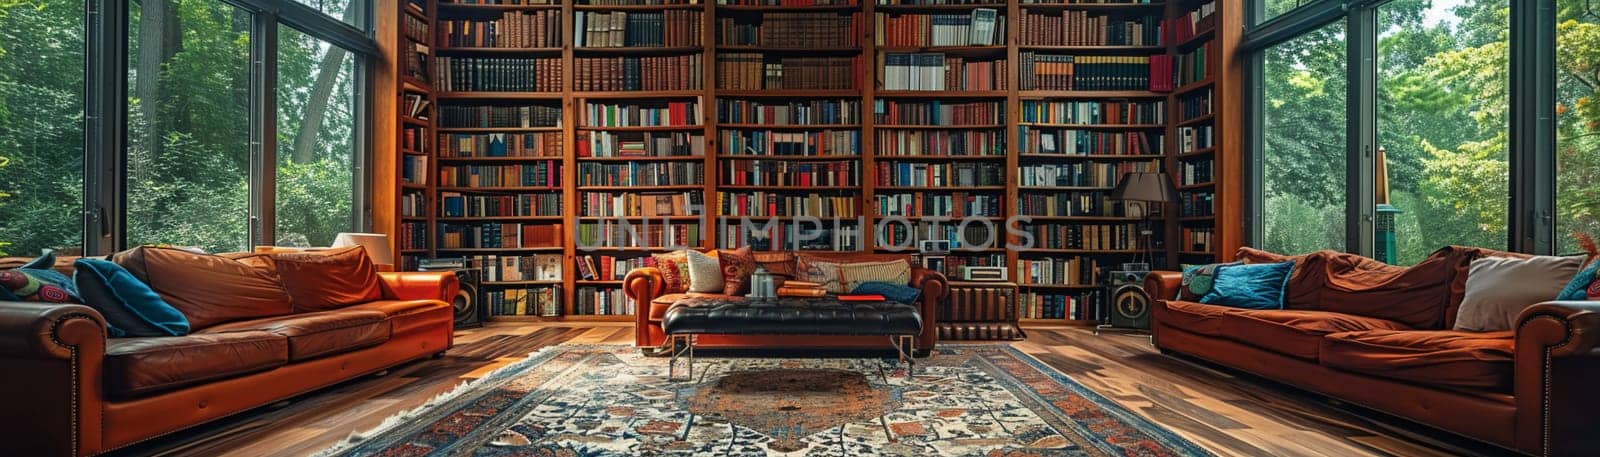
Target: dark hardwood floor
x,y
1223,412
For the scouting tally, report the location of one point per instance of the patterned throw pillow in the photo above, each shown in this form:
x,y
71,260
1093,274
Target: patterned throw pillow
x,y
37,282
1198,280
705,273
1584,286
674,267
736,269
842,278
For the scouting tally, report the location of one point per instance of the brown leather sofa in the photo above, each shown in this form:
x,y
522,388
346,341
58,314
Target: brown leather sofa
x,y
1379,336
645,285
70,390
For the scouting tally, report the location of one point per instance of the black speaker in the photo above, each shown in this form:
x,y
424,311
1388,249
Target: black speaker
x,y
469,305
1130,305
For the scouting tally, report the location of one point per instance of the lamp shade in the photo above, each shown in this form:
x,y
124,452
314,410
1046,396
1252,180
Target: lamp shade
x,y
1145,187
377,245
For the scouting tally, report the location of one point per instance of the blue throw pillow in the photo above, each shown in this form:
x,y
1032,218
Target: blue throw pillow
x,y
892,292
1253,286
130,307
37,281
1578,289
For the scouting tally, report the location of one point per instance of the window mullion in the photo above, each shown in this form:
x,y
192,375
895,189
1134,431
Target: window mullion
x,y
1532,136
1361,110
105,133
263,128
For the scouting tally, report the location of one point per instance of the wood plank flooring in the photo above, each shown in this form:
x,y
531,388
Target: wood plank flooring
x,y
1223,412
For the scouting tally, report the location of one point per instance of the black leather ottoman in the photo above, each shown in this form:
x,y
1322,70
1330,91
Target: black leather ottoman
x,y
789,316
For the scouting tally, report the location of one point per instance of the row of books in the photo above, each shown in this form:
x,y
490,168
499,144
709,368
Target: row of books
x,y
498,74
642,114
1198,239
1196,204
1081,174
415,105
629,73
978,27
598,301
638,234
1192,66
1069,204
764,204
534,174
603,204
1191,172
960,236
1080,72
413,235
1082,28
1194,105
414,138
1068,271
517,268
542,301
791,144
1082,306
1095,237
924,174
1195,137
457,204
786,2
415,29
790,174
936,71
609,29
791,30
475,145
640,144
754,71
609,268
955,205
939,143
512,30
641,174
413,204
417,60
1036,140
483,116
498,235
887,113
791,236
1197,20
797,112
414,169
1093,112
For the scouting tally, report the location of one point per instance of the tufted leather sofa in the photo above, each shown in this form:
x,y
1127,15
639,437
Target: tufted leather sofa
x,y
71,391
645,286
1380,336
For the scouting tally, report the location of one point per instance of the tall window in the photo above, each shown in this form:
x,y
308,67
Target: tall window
x,y
41,126
316,140
1577,120
345,10
188,124
1303,153
1442,104
1275,8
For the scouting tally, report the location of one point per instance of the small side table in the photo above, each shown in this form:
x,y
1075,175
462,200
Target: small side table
x,y
978,310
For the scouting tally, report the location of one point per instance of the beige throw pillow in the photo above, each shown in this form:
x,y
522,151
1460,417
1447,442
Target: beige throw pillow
x,y
1499,288
842,278
705,273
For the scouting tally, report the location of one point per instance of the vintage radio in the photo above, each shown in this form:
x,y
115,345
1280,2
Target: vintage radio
x,y
969,273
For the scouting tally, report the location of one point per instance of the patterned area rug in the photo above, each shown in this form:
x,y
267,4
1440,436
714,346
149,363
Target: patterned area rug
x,y
576,400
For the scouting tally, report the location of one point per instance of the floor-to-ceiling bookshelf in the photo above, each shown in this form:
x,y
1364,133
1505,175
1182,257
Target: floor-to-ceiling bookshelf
x,y
735,102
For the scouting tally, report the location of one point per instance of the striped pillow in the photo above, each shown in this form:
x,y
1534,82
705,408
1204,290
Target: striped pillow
x,y
842,278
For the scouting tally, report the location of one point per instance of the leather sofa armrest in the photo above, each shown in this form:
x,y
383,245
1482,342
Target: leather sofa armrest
x,y
1162,285
54,354
642,285
934,287
420,285
1556,363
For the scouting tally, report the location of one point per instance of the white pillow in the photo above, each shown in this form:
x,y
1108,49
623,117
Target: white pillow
x,y
1499,288
705,273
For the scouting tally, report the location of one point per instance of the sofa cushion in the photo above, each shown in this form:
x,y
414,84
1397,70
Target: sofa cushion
x,y
330,279
313,335
1295,333
1479,360
141,366
208,289
1193,317
660,305
405,315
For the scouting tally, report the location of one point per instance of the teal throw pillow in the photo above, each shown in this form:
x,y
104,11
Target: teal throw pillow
x,y
130,307
892,292
1583,286
37,282
1198,280
1252,286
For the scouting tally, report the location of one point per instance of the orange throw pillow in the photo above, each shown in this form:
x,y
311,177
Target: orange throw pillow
x,y
736,269
209,289
331,279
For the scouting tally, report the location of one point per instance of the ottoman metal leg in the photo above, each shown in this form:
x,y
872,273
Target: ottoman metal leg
x,y
905,348
687,347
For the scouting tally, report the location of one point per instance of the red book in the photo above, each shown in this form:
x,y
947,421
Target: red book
x,y
861,297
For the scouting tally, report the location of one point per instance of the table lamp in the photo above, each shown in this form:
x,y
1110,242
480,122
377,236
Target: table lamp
x,y
376,244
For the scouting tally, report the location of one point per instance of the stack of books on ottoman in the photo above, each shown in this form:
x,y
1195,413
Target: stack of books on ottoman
x,y
801,289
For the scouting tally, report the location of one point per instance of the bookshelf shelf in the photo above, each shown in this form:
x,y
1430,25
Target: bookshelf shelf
x,y
1060,286
500,250
1200,38
1060,188
785,8
497,129
640,218
1083,218
938,158
520,283
1113,94
1204,185
1095,49
643,128
936,7
1197,120
501,218
638,50
643,159
790,126
646,187
941,94
497,159
1090,156
491,7
943,189
1196,153
787,188
1194,86
941,127
499,189
408,120
1094,126
1092,6
789,93
732,218
688,6
789,158
513,51
500,95
638,94
770,49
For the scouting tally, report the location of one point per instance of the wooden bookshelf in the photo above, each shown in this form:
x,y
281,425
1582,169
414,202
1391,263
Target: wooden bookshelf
x,y
870,149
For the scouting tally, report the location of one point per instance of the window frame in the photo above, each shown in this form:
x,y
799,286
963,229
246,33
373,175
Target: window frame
x,y
1531,148
106,104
